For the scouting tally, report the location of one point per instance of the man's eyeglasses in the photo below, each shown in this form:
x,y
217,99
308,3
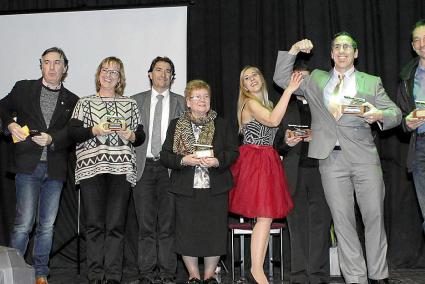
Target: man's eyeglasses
x,y
112,73
197,98
344,46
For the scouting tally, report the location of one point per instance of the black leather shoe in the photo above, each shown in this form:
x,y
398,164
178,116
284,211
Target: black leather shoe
x,y
380,281
194,281
210,280
112,281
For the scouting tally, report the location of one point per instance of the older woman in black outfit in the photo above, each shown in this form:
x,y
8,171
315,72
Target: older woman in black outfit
x,y
200,182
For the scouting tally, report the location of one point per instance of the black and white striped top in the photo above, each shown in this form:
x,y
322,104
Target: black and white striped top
x,y
258,134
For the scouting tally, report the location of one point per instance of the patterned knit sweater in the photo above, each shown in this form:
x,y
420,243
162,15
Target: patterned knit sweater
x,y
107,154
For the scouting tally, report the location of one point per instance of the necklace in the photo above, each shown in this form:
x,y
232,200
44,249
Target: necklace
x,y
105,102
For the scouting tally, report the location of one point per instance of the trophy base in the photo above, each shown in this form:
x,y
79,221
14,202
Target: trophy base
x,y
116,126
204,153
353,109
301,133
419,113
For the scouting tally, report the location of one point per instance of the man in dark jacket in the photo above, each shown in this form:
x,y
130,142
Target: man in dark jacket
x,y
411,97
36,113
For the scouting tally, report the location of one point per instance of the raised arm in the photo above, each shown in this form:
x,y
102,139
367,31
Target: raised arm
x,y
273,118
285,62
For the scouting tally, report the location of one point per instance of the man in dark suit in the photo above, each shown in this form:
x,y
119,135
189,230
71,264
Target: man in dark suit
x,y
309,221
411,92
348,159
154,204
42,109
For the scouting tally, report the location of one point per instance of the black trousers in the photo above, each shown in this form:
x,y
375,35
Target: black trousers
x,y
155,208
105,200
309,225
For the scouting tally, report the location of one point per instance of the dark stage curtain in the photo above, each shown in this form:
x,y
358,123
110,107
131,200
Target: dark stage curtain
x,y
225,35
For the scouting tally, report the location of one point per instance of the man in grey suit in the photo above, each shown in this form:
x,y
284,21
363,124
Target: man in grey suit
x,y
154,204
348,159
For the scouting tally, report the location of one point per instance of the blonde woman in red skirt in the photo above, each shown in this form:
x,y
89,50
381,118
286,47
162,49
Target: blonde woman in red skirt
x,y
260,190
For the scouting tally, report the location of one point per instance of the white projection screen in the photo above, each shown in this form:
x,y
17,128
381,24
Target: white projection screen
x,y
135,35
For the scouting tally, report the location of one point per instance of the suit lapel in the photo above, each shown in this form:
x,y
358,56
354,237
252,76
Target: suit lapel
x,y
37,107
146,103
360,85
60,108
322,80
173,105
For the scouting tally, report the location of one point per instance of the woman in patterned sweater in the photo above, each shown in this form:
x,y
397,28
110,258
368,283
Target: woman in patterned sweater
x,y
106,127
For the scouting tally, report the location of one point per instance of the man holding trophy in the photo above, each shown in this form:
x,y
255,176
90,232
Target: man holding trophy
x,y
411,100
348,159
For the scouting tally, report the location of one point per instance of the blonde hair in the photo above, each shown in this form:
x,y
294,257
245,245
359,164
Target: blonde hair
x,y
120,86
245,95
196,85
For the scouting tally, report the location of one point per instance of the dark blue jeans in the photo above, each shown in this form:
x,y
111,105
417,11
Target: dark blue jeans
x,y
36,196
419,174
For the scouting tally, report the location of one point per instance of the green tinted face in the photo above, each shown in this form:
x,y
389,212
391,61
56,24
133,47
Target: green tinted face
x,y
343,53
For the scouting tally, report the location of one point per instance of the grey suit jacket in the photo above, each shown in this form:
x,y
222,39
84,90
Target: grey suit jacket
x,y
177,107
353,132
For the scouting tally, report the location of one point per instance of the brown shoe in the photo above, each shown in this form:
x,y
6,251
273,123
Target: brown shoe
x,y
41,280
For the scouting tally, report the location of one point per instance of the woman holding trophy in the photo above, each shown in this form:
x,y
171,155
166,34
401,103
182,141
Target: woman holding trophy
x,y
199,149
106,127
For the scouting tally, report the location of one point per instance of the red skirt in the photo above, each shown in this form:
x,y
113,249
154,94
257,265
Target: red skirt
x,y
260,186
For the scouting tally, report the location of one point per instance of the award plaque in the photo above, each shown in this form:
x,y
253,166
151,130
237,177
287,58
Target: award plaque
x,y
353,109
203,151
115,123
419,113
301,131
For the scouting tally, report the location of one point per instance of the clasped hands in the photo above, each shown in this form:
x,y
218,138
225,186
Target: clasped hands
x,y
102,129
205,162
43,139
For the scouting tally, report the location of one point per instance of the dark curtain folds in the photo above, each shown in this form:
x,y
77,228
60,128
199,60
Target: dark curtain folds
x,y
225,35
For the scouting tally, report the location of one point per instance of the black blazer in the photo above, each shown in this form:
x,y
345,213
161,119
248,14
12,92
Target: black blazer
x,y
24,103
225,146
291,155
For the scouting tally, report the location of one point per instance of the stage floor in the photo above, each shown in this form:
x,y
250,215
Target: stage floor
x,y
404,276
